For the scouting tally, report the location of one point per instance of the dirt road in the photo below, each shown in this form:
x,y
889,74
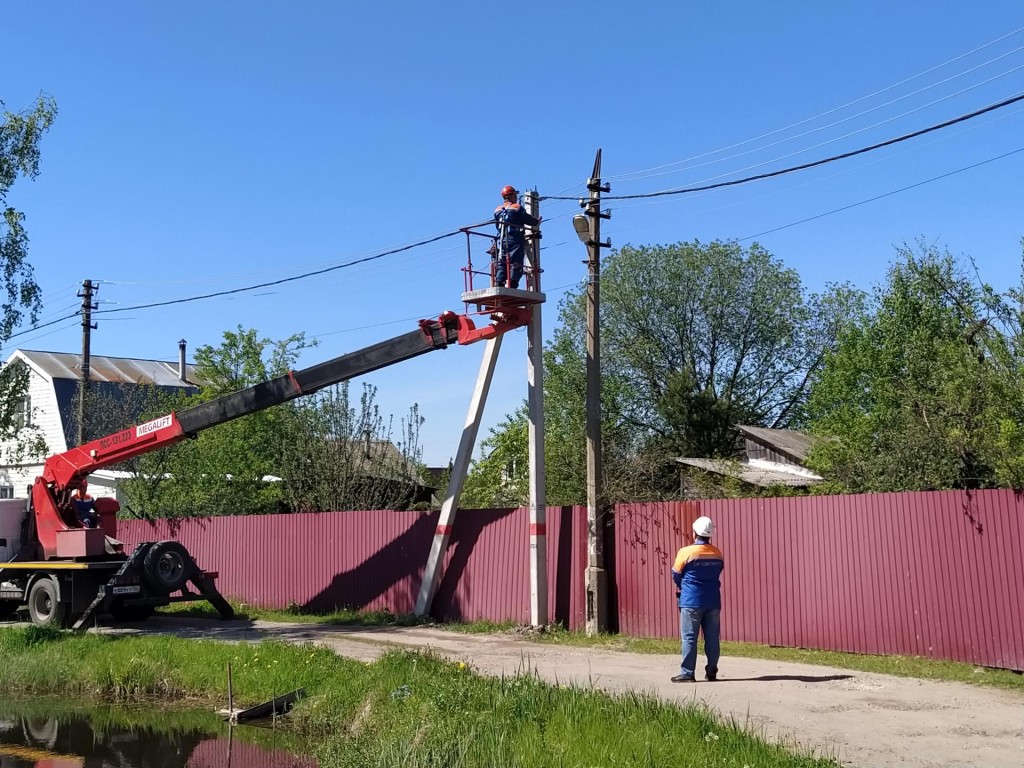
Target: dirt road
x,y
866,720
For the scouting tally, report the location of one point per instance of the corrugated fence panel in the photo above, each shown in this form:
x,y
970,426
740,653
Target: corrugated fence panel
x,y
374,560
486,568
937,574
371,560
647,539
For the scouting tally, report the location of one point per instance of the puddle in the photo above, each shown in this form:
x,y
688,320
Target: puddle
x,y
42,733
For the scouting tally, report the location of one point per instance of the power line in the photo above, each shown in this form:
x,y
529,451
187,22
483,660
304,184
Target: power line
x,y
840,122
44,325
649,171
879,197
823,161
283,280
818,179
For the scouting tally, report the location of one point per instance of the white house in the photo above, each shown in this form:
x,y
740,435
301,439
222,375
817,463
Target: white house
x,y
54,378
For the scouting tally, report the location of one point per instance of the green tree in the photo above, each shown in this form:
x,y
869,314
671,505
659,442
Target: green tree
x,y
321,452
227,469
20,136
340,454
922,390
695,339
500,479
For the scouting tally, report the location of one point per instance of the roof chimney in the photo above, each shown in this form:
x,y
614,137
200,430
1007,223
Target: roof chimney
x,y
181,361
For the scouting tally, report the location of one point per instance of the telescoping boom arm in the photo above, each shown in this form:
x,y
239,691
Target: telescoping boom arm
x,y
63,472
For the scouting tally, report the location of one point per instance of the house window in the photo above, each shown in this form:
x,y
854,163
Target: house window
x,y
6,491
23,415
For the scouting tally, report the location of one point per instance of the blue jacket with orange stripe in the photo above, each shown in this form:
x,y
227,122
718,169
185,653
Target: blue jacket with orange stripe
x,y
697,574
514,217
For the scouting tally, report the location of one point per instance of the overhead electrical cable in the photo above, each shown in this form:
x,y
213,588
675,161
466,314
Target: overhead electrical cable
x,y
291,279
45,325
818,179
622,176
840,122
816,163
845,135
884,195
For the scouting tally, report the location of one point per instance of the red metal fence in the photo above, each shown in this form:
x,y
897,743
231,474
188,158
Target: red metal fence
x,y
374,560
939,575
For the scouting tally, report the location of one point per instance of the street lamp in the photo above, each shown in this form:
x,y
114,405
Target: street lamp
x,y
582,226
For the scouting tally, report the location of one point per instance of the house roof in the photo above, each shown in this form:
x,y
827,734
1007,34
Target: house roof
x,y
790,443
757,472
383,459
121,370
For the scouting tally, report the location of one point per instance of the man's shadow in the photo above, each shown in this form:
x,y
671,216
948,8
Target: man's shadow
x,y
775,678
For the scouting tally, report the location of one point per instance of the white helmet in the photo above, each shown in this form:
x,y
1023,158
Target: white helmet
x,y
703,527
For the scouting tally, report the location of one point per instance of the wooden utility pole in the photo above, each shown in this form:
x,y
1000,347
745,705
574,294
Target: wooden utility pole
x,y
597,577
88,287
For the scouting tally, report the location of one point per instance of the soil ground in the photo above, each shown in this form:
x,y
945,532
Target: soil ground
x,y
864,720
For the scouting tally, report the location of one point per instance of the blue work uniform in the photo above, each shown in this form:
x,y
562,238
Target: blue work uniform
x,y
511,220
697,573
85,508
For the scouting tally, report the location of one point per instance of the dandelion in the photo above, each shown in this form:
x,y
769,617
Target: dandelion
x,y
710,737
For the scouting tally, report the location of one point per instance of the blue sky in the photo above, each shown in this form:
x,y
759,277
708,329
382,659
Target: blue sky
x,y
203,147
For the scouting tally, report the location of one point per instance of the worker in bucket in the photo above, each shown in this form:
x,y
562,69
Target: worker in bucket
x,y
511,219
85,505
697,573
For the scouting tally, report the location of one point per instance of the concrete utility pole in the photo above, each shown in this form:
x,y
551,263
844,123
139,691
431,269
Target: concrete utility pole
x,y
88,287
588,227
535,391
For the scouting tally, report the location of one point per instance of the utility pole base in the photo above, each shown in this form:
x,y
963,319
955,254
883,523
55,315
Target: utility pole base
x,y
597,603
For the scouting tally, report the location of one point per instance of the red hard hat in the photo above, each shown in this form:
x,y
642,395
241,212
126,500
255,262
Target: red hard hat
x,y
508,190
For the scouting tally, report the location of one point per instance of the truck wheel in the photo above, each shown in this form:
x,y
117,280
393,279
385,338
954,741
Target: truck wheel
x,y
167,566
44,608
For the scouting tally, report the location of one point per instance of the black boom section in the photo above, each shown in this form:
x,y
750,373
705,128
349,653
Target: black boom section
x,y
316,377
369,359
241,403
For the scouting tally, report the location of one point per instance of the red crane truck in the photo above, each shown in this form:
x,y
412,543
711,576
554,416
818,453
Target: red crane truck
x,y
69,575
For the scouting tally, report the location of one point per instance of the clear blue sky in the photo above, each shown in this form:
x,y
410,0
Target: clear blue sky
x,y
209,146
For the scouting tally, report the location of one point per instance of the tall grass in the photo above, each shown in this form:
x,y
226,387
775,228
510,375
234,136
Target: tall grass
x,y
408,709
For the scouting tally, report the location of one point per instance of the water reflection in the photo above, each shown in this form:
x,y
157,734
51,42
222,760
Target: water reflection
x,y
32,736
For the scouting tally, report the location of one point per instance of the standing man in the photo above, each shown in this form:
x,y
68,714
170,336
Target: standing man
x,y
697,575
511,219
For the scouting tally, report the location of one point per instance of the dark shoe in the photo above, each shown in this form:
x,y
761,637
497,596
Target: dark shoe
x,y
684,679
711,676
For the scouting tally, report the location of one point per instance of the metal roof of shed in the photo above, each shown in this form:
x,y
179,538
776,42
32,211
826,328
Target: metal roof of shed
x,y
761,473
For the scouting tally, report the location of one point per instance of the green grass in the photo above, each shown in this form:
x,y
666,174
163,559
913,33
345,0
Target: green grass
x,y
901,666
202,609
409,709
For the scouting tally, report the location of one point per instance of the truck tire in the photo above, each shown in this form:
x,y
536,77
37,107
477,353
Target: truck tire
x,y
167,566
44,607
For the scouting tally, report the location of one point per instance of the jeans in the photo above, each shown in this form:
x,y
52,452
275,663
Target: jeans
x,y
514,253
692,621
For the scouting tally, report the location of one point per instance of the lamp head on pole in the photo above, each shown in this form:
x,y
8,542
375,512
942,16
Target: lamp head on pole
x,y
582,226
